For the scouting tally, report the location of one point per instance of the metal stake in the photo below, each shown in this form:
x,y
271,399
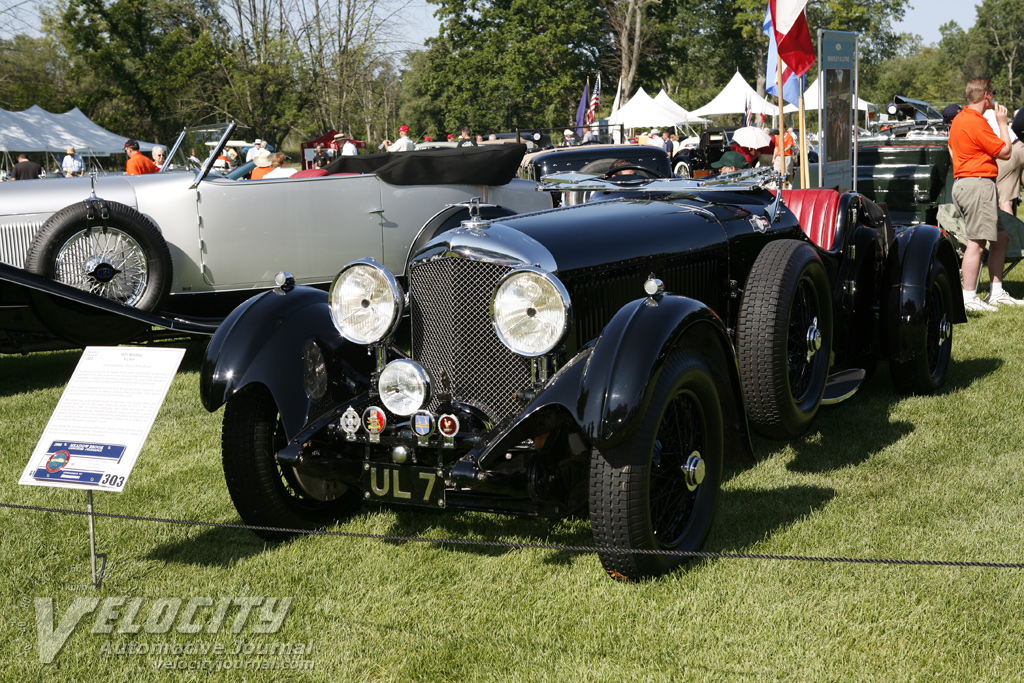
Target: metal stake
x,y
97,578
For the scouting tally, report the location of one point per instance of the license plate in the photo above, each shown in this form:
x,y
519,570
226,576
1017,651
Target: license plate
x,y
404,485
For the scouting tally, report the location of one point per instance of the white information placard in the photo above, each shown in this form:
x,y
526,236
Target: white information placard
x,y
97,430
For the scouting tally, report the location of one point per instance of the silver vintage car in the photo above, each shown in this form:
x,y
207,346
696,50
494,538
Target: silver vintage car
x,y
194,240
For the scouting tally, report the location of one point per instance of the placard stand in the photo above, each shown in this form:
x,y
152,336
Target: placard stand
x,y
97,578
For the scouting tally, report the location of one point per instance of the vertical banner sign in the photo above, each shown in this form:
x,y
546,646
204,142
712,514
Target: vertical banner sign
x,y
837,106
102,420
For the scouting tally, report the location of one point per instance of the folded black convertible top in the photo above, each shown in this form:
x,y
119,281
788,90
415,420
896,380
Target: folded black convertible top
x,y
483,165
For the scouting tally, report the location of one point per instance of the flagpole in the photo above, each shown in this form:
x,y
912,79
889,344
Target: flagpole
x,y
780,144
805,175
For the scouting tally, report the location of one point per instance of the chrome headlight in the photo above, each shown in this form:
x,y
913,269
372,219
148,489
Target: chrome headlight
x,y
365,301
531,311
404,387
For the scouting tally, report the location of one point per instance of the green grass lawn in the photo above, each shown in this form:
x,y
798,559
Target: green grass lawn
x,y
880,476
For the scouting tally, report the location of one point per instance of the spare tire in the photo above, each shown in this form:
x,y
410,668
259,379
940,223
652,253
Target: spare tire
x,y
105,248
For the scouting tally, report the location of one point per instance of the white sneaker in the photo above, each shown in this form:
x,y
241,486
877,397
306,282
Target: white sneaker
x,y
1003,299
977,305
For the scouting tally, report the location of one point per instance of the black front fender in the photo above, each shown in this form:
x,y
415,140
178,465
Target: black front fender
x,y
912,256
606,388
262,341
630,354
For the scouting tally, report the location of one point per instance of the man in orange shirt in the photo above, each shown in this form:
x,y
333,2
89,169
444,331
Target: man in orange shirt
x,y
974,148
138,163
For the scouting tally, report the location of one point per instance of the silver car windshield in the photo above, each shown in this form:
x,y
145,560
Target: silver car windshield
x,y
196,149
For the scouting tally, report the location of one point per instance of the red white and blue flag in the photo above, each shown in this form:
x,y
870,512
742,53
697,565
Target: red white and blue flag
x,y
791,87
789,20
595,103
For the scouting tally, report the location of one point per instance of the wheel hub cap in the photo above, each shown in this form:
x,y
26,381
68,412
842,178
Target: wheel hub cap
x,y
813,339
945,330
693,471
100,270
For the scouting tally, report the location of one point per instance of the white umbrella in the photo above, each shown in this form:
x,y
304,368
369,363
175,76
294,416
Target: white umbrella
x,y
751,137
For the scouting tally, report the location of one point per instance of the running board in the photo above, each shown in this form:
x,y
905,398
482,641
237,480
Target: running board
x,y
843,385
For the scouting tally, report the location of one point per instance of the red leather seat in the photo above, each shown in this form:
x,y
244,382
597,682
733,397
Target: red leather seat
x,y
818,213
309,173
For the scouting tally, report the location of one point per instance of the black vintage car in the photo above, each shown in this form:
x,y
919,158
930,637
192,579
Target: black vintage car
x,y
695,162
606,356
905,162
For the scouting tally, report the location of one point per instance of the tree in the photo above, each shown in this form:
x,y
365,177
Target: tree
x,y
632,31
499,64
997,38
132,63
31,73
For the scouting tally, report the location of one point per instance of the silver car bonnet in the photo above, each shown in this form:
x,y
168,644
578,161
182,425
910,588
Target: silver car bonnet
x,y
51,195
494,243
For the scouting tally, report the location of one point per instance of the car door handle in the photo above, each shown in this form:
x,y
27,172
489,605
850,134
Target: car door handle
x,y
376,211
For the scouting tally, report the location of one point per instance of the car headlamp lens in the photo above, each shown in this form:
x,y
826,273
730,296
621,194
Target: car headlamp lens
x,y
404,387
314,370
365,302
531,311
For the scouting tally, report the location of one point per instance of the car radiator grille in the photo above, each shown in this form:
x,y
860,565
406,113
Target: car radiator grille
x,y
15,239
454,339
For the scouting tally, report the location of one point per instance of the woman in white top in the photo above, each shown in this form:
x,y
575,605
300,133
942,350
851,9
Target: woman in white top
x,y
277,169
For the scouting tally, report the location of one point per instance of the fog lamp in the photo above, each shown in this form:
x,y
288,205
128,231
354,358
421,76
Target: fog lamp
x,y
404,387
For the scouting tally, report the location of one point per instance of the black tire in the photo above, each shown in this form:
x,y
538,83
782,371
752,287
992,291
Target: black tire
x,y
924,370
682,169
784,338
265,493
117,254
640,495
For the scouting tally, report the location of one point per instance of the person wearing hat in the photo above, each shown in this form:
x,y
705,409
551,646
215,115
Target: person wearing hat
x,y
138,163
262,161
257,144
567,138
403,144
654,139
730,162
949,113
348,148
72,164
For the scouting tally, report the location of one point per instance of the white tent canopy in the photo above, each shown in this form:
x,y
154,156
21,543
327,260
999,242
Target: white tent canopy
x,y
669,104
37,130
811,98
642,111
733,99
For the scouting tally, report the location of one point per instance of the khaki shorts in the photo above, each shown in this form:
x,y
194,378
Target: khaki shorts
x,y
1008,181
976,200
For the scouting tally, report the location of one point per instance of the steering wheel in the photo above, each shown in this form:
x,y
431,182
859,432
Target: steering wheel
x,y
639,172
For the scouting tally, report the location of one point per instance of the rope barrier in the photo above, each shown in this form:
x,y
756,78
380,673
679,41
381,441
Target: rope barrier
x,y
527,546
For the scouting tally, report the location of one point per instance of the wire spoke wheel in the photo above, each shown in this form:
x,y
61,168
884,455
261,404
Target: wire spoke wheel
x,y
920,365
657,490
264,492
104,261
680,438
784,337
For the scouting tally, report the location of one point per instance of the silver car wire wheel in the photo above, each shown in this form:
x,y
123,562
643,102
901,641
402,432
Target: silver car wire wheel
x,y
104,261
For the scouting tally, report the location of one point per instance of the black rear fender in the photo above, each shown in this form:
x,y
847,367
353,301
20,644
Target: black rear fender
x,y
262,342
905,285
